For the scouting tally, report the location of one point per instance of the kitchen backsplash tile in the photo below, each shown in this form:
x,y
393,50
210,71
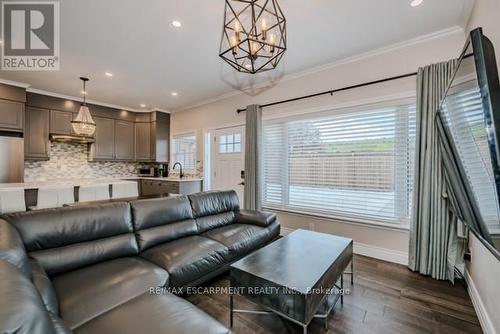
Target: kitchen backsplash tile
x,y
69,160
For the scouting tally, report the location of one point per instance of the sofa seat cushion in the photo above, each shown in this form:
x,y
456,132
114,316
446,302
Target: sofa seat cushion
x,y
149,313
90,291
188,259
242,239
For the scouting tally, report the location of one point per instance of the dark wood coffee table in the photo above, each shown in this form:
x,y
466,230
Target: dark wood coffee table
x,y
296,277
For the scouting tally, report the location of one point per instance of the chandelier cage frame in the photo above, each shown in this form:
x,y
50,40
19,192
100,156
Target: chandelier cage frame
x,y
247,48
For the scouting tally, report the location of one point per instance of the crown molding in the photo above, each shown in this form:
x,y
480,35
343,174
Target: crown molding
x,y
14,83
361,56
29,89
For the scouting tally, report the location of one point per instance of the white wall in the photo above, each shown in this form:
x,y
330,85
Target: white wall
x,y
399,59
484,269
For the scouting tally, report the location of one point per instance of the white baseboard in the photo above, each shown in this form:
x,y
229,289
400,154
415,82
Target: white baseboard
x,y
380,253
369,250
482,314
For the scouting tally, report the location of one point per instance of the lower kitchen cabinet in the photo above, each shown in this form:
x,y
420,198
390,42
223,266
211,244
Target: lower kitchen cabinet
x,y
157,187
36,134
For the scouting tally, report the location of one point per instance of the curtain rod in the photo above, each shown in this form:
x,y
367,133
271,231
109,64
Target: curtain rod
x,y
330,92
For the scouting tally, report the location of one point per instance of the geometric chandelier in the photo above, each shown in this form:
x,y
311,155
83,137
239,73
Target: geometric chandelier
x,y
254,35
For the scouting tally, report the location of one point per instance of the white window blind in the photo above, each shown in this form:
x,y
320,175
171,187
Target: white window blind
x,y
356,164
465,117
184,150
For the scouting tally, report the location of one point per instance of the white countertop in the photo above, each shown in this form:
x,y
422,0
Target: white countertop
x,y
80,182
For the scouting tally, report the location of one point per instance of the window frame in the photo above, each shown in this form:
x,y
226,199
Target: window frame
x,y
326,111
172,146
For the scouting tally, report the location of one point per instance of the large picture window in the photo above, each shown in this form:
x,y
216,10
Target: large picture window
x,y
184,150
357,163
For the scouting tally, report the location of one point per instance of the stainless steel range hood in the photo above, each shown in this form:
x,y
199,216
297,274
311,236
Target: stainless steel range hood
x,y
72,139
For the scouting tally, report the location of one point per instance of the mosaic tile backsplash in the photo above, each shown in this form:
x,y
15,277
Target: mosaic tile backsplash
x,y
69,160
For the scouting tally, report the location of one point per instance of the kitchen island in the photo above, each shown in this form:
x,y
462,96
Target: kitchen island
x,y
147,186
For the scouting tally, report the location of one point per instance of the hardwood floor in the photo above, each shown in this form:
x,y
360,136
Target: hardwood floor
x,y
385,298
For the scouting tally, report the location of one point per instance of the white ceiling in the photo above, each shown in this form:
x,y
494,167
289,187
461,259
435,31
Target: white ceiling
x,y
149,58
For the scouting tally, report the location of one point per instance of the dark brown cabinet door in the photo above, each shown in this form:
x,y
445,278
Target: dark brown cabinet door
x,y
143,141
60,122
124,140
36,134
104,146
11,115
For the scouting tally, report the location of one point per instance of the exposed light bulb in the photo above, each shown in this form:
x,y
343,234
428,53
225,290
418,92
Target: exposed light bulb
x,y
237,30
263,28
234,45
272,42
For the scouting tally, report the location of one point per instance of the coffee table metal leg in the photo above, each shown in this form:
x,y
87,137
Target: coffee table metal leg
x,y
342,289
304,329
352,272
231,311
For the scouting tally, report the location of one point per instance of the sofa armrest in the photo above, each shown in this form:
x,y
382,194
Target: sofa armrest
x,y
259,218
44,286
12,248
23,311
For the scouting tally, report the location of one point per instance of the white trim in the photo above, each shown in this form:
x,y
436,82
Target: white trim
x,y
74,98
380,253
385,254
79,99
343,219
386,49
479,307
14,83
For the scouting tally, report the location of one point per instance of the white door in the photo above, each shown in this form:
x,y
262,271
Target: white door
x,y
228,160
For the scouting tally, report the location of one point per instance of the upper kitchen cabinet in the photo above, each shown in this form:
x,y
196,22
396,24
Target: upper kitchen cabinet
x,y
60,122
11,115
104,146
160,136
143,142
36,134
124,140
12,100
114,140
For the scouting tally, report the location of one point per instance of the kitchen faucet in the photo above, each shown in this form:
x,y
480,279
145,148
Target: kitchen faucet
x,y
180,169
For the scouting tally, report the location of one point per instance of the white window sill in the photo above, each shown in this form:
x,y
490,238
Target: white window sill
x,y
343,219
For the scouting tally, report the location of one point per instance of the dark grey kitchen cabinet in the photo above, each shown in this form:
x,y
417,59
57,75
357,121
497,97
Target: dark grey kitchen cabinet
x,y
36,134
124,140
60,122
11,115
163,186
104,146
143,141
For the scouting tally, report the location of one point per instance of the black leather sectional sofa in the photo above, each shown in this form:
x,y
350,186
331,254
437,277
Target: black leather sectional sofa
x,y
90,269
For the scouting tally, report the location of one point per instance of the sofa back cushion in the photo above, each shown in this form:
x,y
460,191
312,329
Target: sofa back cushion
x,y
213,209
162,219
65,239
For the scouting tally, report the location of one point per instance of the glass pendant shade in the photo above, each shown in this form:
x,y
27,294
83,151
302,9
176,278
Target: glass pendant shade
x,y
83,124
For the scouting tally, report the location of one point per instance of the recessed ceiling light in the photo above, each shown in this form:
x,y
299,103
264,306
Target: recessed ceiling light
x,y
83,92
416,3
174,93
143,105
176,24
108,74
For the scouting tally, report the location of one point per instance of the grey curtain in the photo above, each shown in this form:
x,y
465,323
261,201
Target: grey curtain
x,y
253,148
433,236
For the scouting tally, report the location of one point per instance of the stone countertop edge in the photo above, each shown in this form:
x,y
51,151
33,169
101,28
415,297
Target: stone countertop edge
x,y
79,182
